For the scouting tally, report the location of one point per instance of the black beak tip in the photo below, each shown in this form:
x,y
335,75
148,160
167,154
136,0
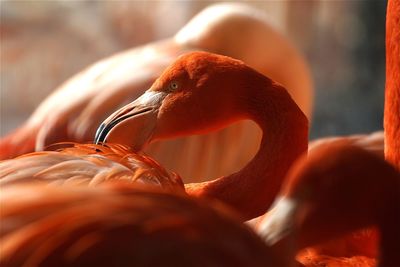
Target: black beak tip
x,y
104,129
100,134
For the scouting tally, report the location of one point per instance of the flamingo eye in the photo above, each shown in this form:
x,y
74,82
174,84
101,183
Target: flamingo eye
x,y
173,86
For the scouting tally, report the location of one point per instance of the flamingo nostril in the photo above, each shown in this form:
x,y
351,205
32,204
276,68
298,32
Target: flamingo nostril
x,y
125,111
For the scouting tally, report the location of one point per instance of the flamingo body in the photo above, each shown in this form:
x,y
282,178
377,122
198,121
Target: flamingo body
x,y
121,225
373,142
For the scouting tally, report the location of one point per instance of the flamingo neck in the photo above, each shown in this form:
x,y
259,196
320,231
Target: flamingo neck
x,y
285,137
392,92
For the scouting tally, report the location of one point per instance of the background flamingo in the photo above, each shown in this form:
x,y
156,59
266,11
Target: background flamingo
x,y
392,92
364,242
134,227
72,114
336,190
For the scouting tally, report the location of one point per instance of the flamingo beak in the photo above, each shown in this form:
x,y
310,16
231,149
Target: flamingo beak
x,y
278,223
133,124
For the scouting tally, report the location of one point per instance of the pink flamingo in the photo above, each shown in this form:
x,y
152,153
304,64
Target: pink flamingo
x,y
365,242
201,92
335,191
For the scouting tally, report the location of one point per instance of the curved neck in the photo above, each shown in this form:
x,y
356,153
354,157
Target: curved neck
x,y
392,91
252,190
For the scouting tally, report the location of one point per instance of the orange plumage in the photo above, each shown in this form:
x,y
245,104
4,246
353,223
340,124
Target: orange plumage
x,y
86,164
213,92
373,142
336,190
202,92
392,92
346,251
121,225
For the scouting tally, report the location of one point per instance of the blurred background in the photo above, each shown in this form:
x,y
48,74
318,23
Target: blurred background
x,y
43,43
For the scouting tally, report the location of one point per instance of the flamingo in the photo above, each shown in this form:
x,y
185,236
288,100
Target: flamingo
x,y
198,93
334,191
367,239
392,87
121,225
74,110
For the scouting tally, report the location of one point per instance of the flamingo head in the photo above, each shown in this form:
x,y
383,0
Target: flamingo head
x,y
331,192
194,95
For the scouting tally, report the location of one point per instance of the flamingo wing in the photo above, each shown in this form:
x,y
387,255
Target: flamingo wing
x,y
121,225
86,165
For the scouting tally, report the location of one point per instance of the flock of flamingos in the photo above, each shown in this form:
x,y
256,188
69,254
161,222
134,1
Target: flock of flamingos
x,y
101,204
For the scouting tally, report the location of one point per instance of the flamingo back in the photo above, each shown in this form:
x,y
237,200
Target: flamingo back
x,y
86,164
121,225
